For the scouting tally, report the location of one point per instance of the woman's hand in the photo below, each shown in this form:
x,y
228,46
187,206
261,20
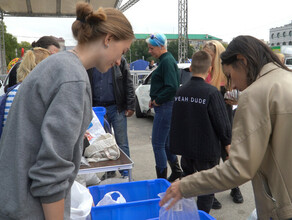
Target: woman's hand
x,y
154,103
231,101
172,192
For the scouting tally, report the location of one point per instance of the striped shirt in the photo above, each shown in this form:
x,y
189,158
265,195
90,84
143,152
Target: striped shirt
x,y
8,103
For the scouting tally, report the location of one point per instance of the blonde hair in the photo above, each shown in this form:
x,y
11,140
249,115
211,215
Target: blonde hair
x,y
91,25
30,59
281,57
218,77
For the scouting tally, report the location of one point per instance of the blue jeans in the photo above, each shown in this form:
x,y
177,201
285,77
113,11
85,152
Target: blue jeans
x,y
119,122
160,135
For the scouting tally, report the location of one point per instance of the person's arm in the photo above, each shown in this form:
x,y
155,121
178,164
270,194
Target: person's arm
x,y
61,133
171,84
54,211
128,87
250,138
218,114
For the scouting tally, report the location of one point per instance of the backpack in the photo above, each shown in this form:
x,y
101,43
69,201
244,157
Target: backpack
x,y
2,106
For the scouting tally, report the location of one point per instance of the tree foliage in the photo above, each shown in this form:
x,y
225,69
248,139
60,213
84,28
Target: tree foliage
x,y
139,50
12,48
173,49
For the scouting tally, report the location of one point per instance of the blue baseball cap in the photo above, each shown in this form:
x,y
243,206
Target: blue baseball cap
x,y
157,40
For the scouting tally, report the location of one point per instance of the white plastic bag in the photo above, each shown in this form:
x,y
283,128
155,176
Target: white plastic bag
x,y
107,199
81,202
95,129
183,209
253,215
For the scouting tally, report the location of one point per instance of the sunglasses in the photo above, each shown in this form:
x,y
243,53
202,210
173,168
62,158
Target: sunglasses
x,y
157,41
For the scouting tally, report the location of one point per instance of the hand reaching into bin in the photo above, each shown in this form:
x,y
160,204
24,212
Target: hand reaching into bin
x,y
173,192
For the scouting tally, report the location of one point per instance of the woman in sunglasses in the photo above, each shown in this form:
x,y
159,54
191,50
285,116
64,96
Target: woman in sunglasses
x,y
164,83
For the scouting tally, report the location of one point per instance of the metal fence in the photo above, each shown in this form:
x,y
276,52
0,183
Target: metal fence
x,y
138,76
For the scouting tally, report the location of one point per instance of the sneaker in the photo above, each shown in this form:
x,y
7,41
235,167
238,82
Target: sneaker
x,y
110,174
216,204
236,195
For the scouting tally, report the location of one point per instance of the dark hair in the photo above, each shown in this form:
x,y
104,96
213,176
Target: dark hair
x,y
201,62
255,52
45,42
91,25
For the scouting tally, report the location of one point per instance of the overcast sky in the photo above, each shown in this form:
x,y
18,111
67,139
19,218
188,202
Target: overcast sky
x,y
224,19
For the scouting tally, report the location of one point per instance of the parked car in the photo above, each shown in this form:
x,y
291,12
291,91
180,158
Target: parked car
x,y
3,83
143,90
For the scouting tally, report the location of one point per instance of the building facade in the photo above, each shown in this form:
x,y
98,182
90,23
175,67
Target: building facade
x,y
281,35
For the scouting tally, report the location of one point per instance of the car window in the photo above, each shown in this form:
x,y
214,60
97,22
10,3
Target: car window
x,y
148,80
289,61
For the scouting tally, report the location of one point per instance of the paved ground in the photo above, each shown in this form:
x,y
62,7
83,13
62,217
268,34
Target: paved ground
x,y
139,131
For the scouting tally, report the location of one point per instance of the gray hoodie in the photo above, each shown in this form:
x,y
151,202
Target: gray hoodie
x,y
41,144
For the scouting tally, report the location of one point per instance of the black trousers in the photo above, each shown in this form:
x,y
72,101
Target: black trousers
x,y
190,166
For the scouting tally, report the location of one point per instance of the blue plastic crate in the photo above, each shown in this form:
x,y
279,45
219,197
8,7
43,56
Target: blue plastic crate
x,y
203,216
141,196
132,191
139,210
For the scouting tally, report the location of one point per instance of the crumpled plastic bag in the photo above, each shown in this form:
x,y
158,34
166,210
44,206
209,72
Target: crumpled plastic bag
x,y
253,215
81,202
183,209
108,199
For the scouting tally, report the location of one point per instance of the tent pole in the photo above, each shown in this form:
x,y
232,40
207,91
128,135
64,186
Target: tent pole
x,y
2,45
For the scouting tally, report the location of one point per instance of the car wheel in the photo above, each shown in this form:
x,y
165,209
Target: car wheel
x,y
139,114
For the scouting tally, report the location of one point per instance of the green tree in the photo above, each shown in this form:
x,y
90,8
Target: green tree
x,y
138,50
10,46
173,49
225,44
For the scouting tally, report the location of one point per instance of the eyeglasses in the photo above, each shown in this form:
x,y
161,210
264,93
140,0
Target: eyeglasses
x,y
157,41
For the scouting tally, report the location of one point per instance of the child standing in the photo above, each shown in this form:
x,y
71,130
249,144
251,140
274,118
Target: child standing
x,y
199,123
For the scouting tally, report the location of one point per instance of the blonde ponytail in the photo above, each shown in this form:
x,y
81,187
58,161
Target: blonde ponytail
x,y
218,76
30,59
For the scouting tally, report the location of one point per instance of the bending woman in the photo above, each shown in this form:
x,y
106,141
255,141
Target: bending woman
x,y
261,140
41,144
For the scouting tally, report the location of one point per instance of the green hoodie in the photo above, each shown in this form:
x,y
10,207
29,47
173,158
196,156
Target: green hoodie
x,y
164,80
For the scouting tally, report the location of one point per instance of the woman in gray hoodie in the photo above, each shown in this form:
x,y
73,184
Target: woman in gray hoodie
x,y
41,144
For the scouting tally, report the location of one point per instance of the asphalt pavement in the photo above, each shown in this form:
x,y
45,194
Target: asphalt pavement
x,y
139,133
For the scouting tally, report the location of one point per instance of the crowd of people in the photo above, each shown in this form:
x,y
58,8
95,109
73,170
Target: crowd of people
x,y
49,107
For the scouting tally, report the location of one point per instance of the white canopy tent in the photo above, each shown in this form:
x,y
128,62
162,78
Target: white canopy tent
x,y
47,8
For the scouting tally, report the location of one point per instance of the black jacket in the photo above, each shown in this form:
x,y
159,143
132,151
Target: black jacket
x,y
199,121
123,86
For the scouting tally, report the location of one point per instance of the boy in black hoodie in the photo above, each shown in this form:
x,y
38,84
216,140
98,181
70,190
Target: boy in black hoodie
x,y
199,123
